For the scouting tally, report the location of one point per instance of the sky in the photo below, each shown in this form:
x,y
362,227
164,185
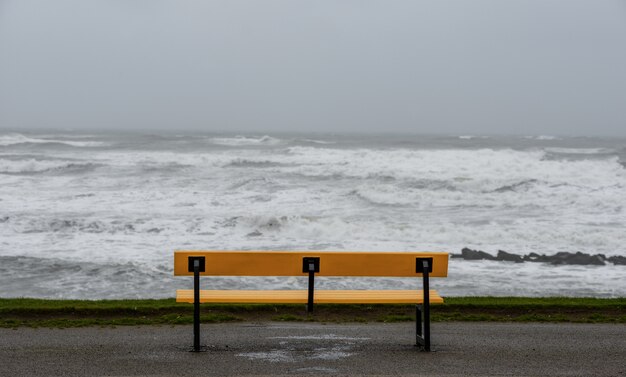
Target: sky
x,y
458,66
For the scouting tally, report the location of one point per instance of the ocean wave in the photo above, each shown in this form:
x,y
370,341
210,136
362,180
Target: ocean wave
x,y
268,223
238,141
251,182
262,224
246,163
32,156
432,184
418,192
65,225
382,198
542,137
585,151
481,170
292,227
314,141
471,137
15,139
165,167
72,278
524,184
55,167
62,278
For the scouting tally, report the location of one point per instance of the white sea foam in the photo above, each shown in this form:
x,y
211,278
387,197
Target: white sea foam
x,y
542,137
105,209
15,138
245,141
469,170
326,142
580,150
471,137
33,166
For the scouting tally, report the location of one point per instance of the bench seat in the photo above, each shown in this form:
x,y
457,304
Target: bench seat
x,y
300,296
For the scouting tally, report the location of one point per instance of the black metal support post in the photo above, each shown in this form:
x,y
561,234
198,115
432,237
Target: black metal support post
x,y
196,305
425,270
309,306
196,264
311,265
419,340
423,266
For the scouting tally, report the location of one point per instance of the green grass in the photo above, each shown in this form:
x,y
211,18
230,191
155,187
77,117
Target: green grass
x,y
290,318
30,305
26,312
396,318
537,302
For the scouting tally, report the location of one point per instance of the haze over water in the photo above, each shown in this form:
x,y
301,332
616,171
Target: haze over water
x,y
99,215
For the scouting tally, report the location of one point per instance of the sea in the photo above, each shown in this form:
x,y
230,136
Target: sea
x,y
92,215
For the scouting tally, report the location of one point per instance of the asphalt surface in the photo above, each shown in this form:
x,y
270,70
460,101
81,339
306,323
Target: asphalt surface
x,y
461,349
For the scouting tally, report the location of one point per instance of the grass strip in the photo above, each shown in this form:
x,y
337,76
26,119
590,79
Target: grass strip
x,y
27,312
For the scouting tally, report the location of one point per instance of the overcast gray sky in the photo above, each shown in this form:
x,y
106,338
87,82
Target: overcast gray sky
x,y
466,66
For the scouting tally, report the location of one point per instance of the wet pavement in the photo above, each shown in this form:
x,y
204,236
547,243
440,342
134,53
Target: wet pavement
x,y
461,349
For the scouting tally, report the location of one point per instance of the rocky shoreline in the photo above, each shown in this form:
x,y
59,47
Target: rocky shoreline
x,y
561,258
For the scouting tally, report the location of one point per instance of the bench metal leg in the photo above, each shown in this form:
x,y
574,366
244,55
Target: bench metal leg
x,y
311,265
422,327
426,308
196,306
309,305
419,340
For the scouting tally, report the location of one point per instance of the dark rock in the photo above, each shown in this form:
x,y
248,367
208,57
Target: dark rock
x,y
534,257
618,259
578,258
469,254
565,257
504,256
560,258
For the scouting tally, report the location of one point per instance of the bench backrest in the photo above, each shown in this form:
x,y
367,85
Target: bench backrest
x,y
290,263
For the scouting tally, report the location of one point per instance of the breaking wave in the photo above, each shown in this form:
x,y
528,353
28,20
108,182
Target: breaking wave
x,y
61,225
15,139
238,141
313,141
33,166
523,185
245,163
583,151
542,138
59,278
472,137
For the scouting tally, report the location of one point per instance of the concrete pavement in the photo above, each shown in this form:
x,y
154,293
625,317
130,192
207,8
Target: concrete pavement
x,y
462,349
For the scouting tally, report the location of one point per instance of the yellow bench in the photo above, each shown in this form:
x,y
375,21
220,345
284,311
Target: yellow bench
x,y
312,264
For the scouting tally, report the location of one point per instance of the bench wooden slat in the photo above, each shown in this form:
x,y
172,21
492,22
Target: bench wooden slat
x,y
289,263
300,296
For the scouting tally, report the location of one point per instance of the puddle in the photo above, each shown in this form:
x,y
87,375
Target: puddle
x,y
291,349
